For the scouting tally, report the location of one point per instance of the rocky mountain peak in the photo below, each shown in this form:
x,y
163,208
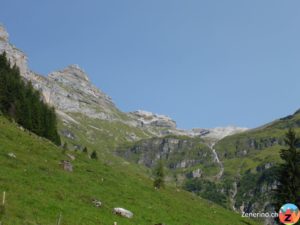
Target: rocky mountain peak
x,y
72,73
3,33
14,55
77,72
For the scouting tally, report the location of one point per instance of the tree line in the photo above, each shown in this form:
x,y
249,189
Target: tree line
x,y
20,102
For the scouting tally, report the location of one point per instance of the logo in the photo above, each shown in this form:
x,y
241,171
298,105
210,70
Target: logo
x,y
289,214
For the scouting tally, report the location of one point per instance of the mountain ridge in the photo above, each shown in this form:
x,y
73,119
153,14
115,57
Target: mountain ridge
x,y
60,89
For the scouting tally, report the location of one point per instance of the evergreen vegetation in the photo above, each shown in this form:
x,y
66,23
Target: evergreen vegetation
x,y
94,155
288,190
85,150
159,175
21,103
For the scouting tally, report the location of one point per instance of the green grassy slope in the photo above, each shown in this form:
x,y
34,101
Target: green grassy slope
x,y
249,150
38,189
99,135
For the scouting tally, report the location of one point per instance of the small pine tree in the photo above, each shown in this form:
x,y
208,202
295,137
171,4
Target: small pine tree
x,y
94,155
159,175
85,150
288,177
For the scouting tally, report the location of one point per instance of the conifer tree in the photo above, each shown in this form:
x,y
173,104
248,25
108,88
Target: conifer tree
x,y
85,150
288,189
94,155
159,175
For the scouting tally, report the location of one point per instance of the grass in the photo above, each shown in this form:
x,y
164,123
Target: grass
x,y
100,134
236,163
38,190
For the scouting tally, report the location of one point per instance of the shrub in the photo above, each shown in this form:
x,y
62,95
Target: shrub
x,y
94,155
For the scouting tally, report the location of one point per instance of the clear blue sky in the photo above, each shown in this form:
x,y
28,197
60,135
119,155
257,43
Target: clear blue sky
x,y
204,63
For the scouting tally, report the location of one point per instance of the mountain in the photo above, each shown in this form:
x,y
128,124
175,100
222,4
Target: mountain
x,y
72,94
231,166
86,113
68,90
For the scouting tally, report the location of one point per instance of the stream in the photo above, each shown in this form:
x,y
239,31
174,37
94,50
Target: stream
x,y
217,160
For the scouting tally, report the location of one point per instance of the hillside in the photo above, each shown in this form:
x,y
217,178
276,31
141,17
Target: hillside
x,y
230,166
250,160
247,164
185,157
38,189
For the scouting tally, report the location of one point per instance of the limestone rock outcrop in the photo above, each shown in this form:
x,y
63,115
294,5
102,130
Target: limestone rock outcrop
x,y
14,55
149,119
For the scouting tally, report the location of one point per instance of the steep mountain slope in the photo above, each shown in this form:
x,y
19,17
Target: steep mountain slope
x,y
38,189
250,161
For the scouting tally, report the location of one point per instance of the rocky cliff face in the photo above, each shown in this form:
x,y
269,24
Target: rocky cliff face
x,y
70,91
254,192
14,55
186,157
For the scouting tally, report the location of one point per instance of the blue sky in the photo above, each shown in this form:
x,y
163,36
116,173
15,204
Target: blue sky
x,y
204,63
